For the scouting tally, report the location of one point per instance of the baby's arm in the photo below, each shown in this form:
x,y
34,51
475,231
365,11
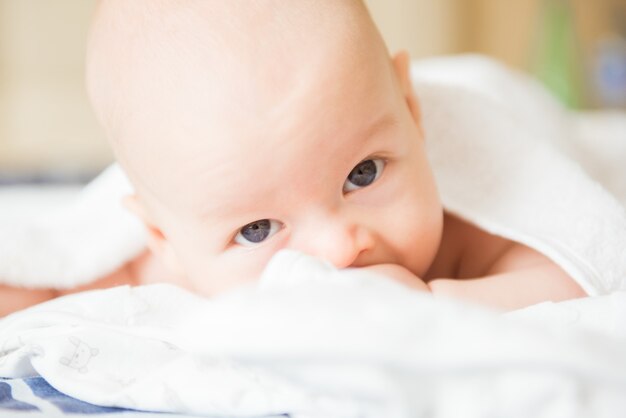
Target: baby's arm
x,y
520,277
13,299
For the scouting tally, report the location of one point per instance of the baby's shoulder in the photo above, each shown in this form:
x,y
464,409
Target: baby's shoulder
x,y
466,250
16,298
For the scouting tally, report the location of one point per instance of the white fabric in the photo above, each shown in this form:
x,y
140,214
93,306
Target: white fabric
x,y
509,159
70,244
351,345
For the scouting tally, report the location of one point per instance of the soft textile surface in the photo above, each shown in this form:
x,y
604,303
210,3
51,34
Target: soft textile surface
x,y
507,157
312,341
64,245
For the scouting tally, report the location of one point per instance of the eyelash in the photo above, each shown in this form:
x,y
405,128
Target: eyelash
x,y
379,164
274,227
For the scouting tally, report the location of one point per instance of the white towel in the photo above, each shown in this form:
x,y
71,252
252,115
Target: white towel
x,y
505,156
75,243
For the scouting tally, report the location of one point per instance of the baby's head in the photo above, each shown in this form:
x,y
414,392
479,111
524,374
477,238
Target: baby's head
x,y
251,126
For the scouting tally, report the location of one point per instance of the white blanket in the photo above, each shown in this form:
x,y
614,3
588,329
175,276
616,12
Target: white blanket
x,y
312,341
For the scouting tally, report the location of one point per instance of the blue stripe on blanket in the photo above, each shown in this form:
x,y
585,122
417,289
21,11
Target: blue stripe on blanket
x,y
7,401
42,390
41,395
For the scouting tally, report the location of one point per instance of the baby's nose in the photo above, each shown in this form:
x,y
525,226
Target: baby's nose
x,y
338,242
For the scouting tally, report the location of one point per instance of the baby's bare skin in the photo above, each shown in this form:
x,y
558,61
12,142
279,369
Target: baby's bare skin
x,y
312,138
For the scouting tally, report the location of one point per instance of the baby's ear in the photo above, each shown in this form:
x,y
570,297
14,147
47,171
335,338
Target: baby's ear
x,y
157,242
401,65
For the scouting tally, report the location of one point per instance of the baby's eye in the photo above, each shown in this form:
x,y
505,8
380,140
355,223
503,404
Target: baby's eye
x,y
365,173
256,232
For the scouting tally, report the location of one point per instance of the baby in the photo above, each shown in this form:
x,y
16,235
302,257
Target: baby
x,y
249,126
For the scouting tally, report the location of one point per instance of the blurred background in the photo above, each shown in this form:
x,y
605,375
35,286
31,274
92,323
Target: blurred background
x,y
48,133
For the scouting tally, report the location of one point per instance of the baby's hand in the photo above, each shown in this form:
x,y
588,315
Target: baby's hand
x,y
399,274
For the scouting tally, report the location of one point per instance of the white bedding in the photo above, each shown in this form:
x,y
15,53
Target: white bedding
x,y
351,345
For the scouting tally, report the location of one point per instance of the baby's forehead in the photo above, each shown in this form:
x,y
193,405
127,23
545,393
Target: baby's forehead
x,y
197,85
310,105
248,140
245,176
306,142
143,51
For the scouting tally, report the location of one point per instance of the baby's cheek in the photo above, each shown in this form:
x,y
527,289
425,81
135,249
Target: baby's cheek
x,y
414,227
220,274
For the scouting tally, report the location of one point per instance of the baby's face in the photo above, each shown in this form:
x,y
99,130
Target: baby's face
x,y
331,164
